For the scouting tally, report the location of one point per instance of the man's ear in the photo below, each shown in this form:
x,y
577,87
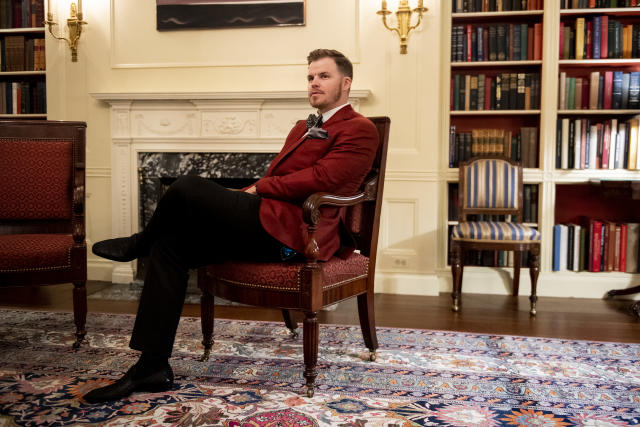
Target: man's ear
x,y
346,83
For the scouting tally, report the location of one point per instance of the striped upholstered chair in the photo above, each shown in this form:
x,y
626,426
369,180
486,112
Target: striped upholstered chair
x,y
489,188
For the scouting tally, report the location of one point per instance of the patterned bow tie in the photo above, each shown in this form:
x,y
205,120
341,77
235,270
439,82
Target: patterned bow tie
x,y
314,121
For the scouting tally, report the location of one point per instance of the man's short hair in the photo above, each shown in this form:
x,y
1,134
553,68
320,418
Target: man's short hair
x,y
344,65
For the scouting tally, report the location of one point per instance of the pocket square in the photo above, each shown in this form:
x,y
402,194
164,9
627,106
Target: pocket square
x,y
317,133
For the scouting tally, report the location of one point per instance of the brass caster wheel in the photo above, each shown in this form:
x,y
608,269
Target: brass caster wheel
x,y
206,355
533,311
372,356
309,392
455,307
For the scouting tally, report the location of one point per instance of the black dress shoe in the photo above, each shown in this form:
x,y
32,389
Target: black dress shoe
x,y
121,249
158,381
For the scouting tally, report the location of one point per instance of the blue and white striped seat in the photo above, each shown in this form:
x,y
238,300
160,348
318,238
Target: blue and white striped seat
x,y
494,231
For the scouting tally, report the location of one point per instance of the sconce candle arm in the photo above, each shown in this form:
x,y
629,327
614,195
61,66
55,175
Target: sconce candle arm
x,y
74,26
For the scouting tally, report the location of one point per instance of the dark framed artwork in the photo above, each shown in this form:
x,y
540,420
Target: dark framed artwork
x,y
191,14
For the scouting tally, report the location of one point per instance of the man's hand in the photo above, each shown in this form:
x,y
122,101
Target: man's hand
x,y
251,190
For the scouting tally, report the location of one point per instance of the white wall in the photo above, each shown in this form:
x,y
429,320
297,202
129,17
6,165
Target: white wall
x,y
121,51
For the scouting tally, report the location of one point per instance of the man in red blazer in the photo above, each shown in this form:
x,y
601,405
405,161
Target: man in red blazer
x,y
198,222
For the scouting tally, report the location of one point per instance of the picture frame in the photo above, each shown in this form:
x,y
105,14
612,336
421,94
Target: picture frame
x,y
217,14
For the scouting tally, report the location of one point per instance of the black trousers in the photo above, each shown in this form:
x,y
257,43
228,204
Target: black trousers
x,y
197,222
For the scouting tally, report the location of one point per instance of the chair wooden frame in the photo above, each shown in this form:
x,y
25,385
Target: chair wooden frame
x,y
458,248
313,296
76,272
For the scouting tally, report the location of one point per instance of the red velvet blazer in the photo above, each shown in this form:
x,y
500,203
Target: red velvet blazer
x,y
305,166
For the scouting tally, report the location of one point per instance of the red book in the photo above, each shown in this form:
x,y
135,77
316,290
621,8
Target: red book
x,y
623,247
608,89
537,41
604,37
592,3
616,255
451,104
589,41
604,250
469,44
530,35
485,43
610,246
595,231
585,94
561,39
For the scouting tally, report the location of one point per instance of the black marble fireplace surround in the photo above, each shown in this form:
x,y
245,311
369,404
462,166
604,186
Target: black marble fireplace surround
x,y
156,171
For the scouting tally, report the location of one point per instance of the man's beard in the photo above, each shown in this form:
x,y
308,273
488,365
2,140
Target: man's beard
x,y
335,98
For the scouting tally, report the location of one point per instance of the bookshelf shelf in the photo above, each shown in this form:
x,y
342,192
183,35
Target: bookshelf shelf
x,y
502,15
569,176
617,11
590,63
472,64
597,112
22,30
494,112
23,116
23,73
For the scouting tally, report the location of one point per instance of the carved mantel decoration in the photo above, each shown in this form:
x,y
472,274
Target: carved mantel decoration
x,y
212,122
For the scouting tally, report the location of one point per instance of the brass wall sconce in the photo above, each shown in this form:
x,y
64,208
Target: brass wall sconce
x,y
74,27
404,15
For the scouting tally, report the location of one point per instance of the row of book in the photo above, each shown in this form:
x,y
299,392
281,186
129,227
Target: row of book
x,y
494,258
504,91
461,6
587,144
499,42
596,245
601,90
590,4
21,13
529,206
521,147
18,53
23,98
600,37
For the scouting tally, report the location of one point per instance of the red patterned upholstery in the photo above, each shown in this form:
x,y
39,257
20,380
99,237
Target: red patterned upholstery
x,y
21,252
36,179
286,276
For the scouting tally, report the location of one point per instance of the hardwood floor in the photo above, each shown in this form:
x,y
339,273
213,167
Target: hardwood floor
x,y
570,318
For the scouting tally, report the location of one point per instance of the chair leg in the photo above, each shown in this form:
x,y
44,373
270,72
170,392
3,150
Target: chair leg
x,y
206,320
310,335
534,269
457,269
368,323
517,261
290,323
79,311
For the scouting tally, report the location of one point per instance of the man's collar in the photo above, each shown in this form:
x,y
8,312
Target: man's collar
x,y
328,114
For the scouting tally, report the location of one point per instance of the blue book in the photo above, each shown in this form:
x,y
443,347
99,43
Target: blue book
x,y
480,39
597,36
557,243
625,91
616,92
634,89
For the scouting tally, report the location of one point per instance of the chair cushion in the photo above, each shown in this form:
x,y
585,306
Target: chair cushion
x,y
29,252
494,231
36,179
285,276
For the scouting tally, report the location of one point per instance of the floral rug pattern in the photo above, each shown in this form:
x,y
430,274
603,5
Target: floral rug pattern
x,y
254,377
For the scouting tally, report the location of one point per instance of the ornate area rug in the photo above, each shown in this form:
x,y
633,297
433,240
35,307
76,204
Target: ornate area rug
x,y
254,377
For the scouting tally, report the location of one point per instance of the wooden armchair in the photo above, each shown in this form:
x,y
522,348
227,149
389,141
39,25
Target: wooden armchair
x,y
489,187
309,286
42,193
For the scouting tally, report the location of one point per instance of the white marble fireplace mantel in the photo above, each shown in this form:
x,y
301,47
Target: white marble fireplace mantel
x,y
240,122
